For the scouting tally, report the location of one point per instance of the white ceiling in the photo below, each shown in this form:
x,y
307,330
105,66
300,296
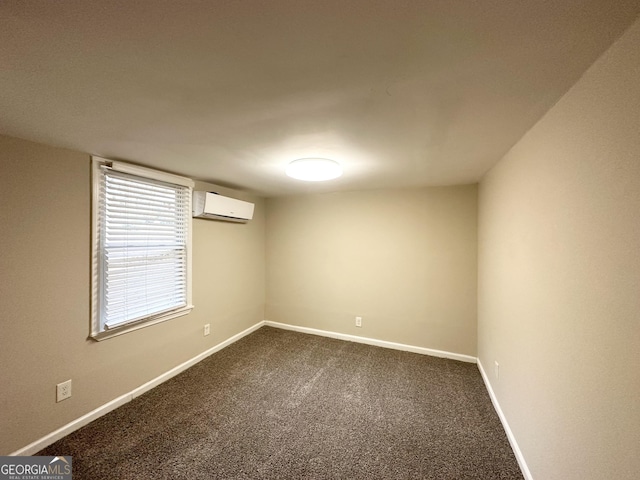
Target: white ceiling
x,y
402,93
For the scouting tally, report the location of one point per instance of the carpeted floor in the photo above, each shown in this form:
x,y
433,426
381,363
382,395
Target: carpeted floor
x,y
285,405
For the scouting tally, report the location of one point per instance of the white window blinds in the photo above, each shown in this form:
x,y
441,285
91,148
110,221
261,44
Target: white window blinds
x,y
143,236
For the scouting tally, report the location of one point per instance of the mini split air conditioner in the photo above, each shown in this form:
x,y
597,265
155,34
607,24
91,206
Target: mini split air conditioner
x,y
218,207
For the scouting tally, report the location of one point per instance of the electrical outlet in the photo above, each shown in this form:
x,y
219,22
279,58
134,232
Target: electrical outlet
x,y
207,329
496,368
358,321
63,391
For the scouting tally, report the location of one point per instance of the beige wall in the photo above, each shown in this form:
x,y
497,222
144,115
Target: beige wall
x,y
45,292
559,278
404,260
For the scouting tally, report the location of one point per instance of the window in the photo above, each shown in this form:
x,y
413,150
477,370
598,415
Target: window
x,y
141,247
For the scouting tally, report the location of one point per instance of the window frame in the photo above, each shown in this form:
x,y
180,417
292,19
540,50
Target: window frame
x,y
98,330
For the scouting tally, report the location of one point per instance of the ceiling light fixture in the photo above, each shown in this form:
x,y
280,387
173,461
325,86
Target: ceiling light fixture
x,y
314,169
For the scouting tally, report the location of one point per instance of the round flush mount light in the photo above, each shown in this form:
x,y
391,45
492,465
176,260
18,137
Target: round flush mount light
x,y
314,169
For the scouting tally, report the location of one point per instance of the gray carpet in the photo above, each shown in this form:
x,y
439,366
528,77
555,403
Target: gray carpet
x,y
285,405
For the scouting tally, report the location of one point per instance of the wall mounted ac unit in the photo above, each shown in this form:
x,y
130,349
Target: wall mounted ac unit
x,y
218,207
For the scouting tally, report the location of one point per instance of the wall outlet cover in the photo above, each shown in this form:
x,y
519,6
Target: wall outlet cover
x,y
63,391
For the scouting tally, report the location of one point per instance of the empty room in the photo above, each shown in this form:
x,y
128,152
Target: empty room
x,y
320,240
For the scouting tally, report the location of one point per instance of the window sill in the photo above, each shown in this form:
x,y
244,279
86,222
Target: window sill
x,y
114,332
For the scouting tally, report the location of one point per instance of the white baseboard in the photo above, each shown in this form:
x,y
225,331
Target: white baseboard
x,y
127,397
505,424
373,341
